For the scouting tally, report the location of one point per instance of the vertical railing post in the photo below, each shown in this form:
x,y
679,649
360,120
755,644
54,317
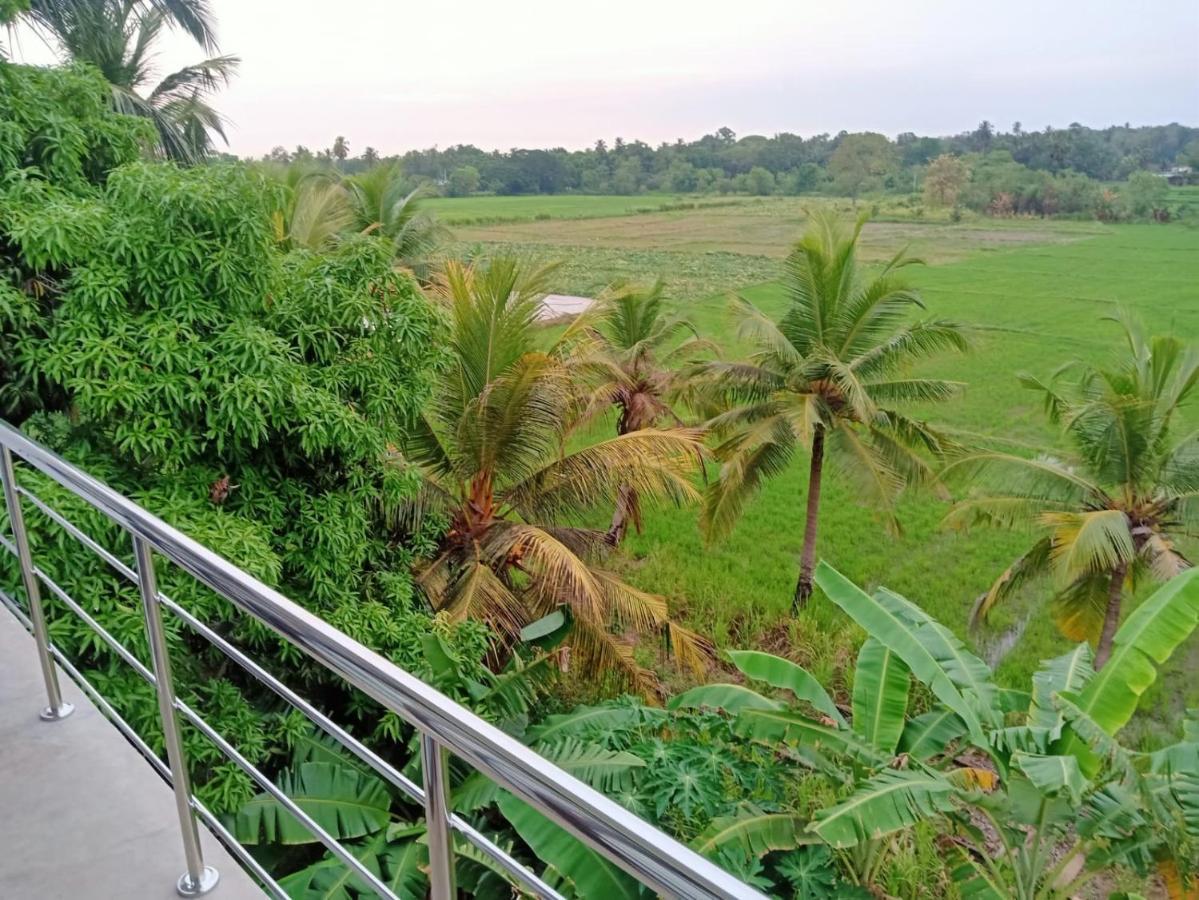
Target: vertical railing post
x,y
437,819
58,709
199,878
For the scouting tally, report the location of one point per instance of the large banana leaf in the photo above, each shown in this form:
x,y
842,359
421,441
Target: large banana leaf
x,y
586,721
929,734
406,861
891,624
344,801
1068,672
1145,640
593,876
755,832
1053,775
331,879
603,769
729,697
772,726
782,673
976,882
1175,773
316,746
880,696
969,674
892,800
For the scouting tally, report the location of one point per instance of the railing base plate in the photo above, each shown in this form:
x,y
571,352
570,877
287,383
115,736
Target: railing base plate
x,y
50,714
188,888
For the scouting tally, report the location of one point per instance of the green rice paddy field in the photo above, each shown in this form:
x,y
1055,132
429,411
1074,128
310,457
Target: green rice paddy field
x,y
467,210
1037,293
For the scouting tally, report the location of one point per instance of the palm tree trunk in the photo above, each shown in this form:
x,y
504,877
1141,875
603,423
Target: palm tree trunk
x,y
1111,618
807,559
626,497
626,503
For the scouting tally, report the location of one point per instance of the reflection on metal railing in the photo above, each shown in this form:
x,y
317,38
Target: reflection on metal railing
x,y
647,854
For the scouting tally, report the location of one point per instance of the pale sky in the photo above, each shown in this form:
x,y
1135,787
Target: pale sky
x,y
537,73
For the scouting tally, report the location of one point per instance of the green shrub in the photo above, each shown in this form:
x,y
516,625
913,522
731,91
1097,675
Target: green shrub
x,y
155,333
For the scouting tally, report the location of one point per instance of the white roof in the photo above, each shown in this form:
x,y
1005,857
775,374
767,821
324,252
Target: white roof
x,y
555,306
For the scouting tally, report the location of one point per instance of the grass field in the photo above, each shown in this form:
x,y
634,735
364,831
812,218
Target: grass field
x,y
768,227
1036,293
469,210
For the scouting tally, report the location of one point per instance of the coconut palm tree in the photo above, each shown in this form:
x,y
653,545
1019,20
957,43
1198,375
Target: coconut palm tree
x,y
827,377
635,341
382,203
319,206
119,37
341,149
1111,513
315,208
490,449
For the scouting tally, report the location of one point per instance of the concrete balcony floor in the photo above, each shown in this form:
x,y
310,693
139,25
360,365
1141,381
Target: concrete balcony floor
x,y
82,814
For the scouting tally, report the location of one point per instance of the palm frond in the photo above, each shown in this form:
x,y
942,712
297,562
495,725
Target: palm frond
x,y
493,310
318,214
653,462
515,421
914,390
691,650
1043,478
867,465
747,461
874,311
917,341
198,79
474,591
560,573
1088,542
610,657
723,384
1029,565
1078,609
755,327
1163,558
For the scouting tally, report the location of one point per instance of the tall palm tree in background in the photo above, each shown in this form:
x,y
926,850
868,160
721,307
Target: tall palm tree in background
x,y
1112,514
119,36
490,448
825,378
636,341
341,149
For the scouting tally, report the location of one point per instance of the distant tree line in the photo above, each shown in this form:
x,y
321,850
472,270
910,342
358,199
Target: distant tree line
x,y
722,162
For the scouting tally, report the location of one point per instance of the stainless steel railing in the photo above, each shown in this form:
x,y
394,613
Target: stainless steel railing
x,y
653,858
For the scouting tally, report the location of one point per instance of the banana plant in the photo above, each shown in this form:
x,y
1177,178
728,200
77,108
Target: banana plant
x,y
1042,769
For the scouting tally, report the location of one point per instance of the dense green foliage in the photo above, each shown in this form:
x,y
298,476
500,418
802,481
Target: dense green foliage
x,y
797,163
1052,172
1043,770
155,333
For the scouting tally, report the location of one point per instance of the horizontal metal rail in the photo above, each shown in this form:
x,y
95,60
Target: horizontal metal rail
x,y
653,858
214,824
396,778
484,845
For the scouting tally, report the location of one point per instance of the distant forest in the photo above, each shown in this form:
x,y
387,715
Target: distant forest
x,y
722,162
